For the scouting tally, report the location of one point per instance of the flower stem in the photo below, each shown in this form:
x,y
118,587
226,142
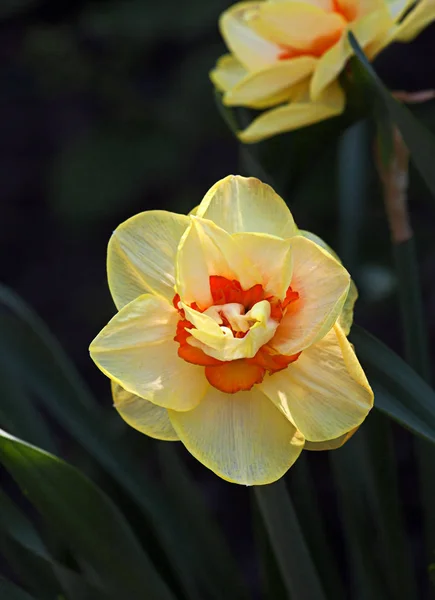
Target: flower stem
x,y
288,543
394,179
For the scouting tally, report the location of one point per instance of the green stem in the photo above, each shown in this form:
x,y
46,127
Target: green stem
x,y
288,543
395,179
413,321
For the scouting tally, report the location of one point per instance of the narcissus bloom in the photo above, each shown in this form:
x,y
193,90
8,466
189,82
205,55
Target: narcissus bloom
x,y
286,56
231,334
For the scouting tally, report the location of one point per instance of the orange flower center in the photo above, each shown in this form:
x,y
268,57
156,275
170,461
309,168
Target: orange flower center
x,y
240,374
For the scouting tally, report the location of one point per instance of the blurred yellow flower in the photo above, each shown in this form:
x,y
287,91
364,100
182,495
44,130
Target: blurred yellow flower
x,y
286,55
231,334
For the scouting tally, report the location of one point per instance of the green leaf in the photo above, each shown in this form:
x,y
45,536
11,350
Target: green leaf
x,y
29,558
86,519
352,477
34,355
19,415
10,591
19,527
220,575
303,493
287,540
420,142
272,585
400,392
386,503
353,180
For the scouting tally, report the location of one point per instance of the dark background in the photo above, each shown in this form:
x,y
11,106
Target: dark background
x,y
106,110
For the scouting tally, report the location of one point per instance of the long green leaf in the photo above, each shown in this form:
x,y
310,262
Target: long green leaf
x,y
303,493
352,476
420,142
388,511
19,415
272,584
35,356
88,521
353,168
29,558
400,392
287,540
192,511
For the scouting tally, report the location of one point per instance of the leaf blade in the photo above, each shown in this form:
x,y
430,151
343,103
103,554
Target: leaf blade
x,y
88,521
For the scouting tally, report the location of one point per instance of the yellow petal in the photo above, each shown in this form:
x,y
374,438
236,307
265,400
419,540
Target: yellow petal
x,y
416,21
298,113
330,444
239,204
227,73
345,319
242,437
248,47
322,284
269,86
325,393
272,257
366,30
141,255
355,9
298,25
136,350
207,250
329,66
327,5
146,417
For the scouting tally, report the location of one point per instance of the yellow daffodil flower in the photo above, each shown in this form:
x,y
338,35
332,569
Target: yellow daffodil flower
x,y
231,334
286,56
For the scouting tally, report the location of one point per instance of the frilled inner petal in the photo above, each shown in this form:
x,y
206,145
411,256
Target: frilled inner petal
x,y
141,255
206,249
325,392
242,437
298,26
137,350
322,284
230,337
245,204
367,29
146,417
272,257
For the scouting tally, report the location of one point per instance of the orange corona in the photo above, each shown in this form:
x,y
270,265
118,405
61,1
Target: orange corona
x,y
241,374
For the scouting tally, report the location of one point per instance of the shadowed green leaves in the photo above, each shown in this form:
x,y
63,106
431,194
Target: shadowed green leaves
x,y
86,519
419,140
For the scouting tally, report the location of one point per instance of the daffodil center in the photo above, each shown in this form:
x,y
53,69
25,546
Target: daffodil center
x,y
231,337
233,316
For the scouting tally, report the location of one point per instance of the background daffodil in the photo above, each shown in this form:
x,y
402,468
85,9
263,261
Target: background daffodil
x,y
231,334
286,56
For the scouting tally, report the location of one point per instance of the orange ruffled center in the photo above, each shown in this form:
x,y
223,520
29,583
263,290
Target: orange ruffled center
x,y
240,374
